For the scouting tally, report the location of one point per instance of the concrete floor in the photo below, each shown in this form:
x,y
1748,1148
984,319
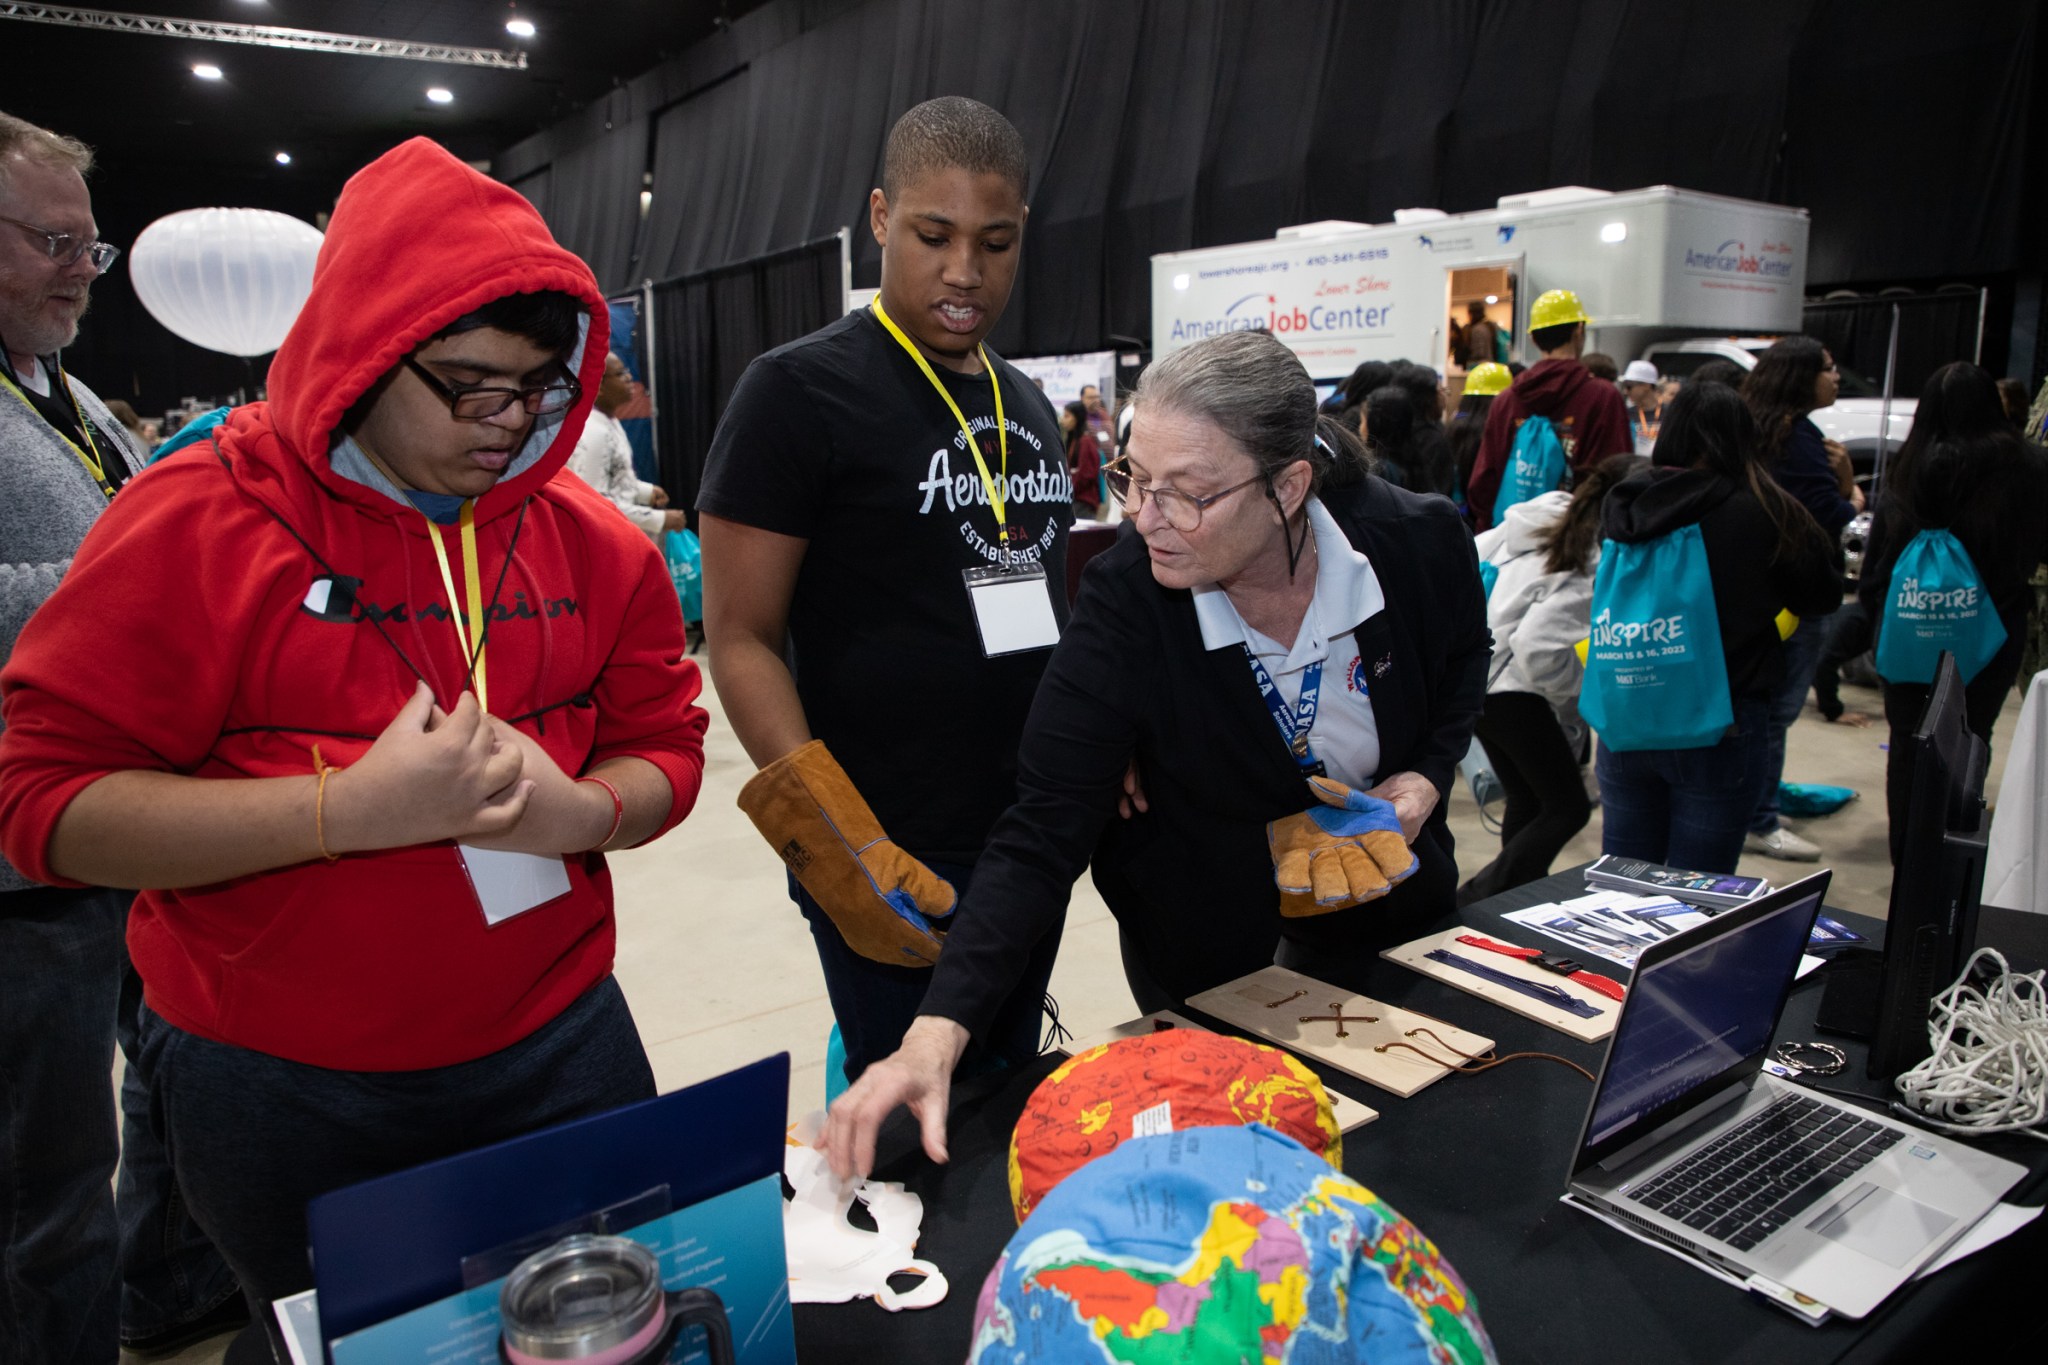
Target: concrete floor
x,y
720,970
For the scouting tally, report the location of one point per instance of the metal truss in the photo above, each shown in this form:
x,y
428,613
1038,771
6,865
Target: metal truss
x,y
261,35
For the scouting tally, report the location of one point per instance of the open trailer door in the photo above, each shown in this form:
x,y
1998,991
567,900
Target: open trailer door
x,y
1495,286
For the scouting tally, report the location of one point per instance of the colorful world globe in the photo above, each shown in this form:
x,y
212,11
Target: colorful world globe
x,y
1222,1245
1157,1083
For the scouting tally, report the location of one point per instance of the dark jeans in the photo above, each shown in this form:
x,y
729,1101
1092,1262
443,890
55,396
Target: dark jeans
x,y
60,975
1904,706
170,1273
254,1137
874,1002
1848,637
1800,656
1685,808
1546,797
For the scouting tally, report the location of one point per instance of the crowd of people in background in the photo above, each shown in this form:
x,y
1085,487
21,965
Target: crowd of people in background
x,y
1737,453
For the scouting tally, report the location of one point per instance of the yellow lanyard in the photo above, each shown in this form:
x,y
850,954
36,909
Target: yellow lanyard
x,y
95,463
471,636
996,488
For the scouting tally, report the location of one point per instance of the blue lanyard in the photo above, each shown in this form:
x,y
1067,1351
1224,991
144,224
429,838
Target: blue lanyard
x,y
1295,724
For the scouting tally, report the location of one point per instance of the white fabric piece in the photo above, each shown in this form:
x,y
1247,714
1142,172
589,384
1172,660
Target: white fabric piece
x,y
2015,868
1537,617
35,377
604,459
1346,735
832,1261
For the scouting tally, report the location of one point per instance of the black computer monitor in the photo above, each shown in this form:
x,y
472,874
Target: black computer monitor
x,y
1932,925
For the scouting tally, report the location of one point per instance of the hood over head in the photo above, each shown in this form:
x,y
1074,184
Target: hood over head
x,y
1531,519
1548,385
417,240
1657,501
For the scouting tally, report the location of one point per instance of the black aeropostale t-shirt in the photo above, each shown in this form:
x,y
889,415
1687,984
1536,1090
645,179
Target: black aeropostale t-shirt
x,y
839,438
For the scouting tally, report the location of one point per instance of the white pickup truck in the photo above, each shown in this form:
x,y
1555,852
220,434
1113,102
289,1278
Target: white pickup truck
x,y
1852,420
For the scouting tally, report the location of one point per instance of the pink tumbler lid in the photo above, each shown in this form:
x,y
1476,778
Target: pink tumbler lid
x,y
597,1300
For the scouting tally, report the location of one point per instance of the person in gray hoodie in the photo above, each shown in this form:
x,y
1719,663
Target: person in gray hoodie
x,y
1543,557
64,976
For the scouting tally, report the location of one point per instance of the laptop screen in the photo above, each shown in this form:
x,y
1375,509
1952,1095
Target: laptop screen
x,y
1696,1014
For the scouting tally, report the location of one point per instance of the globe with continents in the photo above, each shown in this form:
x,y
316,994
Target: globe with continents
x,y
1222,1246
1153,1083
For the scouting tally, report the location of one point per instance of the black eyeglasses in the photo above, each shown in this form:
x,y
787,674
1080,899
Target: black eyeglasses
x,y
65,247
1183,511
476,404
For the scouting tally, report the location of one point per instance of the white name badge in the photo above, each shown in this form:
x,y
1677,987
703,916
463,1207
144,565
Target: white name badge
x,y
1012,609
508,884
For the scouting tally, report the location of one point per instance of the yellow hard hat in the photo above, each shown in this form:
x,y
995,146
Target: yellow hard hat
x,y
1555,308
1490,378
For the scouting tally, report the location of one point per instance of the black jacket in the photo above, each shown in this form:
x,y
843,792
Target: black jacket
x,y
1191,882
2000,517
1753,579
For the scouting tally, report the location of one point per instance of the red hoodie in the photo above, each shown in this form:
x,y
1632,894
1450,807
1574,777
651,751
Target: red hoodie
x,y
1591,420
183,640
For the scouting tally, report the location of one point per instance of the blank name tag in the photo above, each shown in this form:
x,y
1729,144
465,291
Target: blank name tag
x,y
509,884
1012,609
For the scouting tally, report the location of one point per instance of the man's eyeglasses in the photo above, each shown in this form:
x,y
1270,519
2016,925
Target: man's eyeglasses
x,y
65,247
1182,511
474,405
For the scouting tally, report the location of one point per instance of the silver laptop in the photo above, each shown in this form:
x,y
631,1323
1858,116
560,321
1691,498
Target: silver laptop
x,y
1688,1139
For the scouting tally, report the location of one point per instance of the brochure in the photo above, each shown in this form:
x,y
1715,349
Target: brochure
x,y
1715,889
1617,926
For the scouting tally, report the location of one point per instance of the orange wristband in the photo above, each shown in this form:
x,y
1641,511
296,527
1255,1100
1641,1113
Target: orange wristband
x,y
618,812
323,768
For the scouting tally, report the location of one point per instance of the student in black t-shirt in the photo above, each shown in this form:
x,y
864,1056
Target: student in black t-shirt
x,y
841,510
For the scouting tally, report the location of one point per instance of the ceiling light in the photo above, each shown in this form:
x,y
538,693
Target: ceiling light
x,y
1614,232
441,95
519,28
206,71
1492,299
284,158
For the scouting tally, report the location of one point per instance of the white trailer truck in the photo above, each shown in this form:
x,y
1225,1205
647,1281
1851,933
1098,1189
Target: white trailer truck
x,y
1648,264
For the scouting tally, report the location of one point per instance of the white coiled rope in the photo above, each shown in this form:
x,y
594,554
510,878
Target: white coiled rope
x,y
1988,1072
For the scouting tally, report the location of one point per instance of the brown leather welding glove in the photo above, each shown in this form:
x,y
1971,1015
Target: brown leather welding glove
x,y
885,903
1345,851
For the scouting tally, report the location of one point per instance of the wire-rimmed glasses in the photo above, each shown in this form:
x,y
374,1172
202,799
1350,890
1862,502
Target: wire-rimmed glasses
x,y
65,247
1182,511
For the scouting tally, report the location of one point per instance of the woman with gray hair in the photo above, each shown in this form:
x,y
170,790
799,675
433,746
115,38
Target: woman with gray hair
x,y
1294,652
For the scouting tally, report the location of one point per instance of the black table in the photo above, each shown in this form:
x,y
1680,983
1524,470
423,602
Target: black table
x,y
1478,1163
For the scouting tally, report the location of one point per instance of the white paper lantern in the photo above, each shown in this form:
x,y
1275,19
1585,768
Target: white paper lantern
x,y
230,280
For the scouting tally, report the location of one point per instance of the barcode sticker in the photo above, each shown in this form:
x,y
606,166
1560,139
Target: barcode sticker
x,y
1154,1121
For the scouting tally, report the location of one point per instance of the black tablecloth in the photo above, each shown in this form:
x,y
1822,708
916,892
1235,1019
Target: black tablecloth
x,y
1478,1163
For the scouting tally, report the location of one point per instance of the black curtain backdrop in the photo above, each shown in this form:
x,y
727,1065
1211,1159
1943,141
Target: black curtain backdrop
x,y
593,201
707,326
1933,330
1160,125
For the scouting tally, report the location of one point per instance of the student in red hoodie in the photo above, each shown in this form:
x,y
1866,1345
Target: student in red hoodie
x,y
1591,419
357,692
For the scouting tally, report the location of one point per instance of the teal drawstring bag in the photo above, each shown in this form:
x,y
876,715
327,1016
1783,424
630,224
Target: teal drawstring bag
x,y
1655,674
1810,800
1936,602
686,570
1536,466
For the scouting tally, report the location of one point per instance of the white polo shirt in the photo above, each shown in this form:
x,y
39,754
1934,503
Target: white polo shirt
x,y
1345,736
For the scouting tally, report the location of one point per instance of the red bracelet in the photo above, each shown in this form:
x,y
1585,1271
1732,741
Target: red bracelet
x,y
618,812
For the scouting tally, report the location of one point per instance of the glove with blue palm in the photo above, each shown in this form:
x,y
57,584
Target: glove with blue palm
x,y
1346,851
888,906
